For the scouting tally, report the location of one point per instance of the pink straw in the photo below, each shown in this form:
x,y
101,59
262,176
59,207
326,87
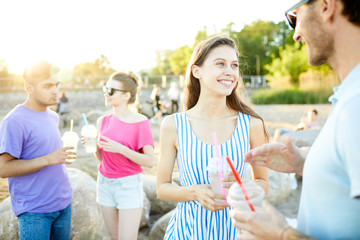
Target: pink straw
x,y
217,152
237,176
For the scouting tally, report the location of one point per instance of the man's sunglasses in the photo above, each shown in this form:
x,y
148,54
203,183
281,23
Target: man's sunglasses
x,y
111,91
290,16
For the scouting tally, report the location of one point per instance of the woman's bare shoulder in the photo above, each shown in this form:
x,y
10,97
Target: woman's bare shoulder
x,y
168,122
256,123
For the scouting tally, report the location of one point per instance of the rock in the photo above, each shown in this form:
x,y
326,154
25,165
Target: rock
x,y
158,230
302,137
145,216
280,186
86,221
8,221
157,205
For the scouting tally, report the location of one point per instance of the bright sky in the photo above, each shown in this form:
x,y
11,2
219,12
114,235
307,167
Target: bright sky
x,y
128,33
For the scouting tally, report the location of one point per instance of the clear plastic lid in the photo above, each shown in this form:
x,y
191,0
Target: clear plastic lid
x,y
72,135
253,190
213,166
89,130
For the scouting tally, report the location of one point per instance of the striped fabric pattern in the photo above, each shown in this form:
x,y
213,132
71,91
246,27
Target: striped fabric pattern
x,y
190,219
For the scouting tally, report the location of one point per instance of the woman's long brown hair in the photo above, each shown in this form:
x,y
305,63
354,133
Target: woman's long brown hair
x,y
236,100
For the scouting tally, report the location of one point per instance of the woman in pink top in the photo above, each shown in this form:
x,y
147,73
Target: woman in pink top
x,y
125,145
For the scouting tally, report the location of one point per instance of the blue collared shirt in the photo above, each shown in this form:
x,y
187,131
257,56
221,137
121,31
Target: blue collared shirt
x,y
329,205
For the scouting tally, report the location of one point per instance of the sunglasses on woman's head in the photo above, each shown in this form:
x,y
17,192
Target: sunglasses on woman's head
x,y
111,91
291,16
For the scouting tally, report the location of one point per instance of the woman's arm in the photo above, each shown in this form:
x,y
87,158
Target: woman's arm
x,y
146,158
167,191
257,138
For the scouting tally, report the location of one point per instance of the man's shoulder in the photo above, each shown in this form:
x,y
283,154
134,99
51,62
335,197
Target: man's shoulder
x,y
350,106
14,115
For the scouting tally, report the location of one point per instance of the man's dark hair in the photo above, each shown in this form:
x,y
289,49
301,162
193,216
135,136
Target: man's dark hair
x,y
352,11
37,71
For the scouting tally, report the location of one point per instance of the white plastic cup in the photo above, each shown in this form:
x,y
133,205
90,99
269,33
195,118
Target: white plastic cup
x,y
89,132
214,174
70,139
237,200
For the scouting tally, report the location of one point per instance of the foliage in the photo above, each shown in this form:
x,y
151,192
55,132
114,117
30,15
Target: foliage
x,y
179,59
7,79
4,72
94,71
200,36
175,62
290,96
257,42
292,61
162,63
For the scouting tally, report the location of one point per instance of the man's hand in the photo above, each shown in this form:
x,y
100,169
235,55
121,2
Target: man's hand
x,y
280,157
60,155
266,224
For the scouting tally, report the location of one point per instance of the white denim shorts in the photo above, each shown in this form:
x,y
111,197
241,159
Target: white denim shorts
x,y
122,193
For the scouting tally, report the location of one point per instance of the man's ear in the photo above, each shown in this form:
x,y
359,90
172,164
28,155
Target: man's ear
x,y
29,88
328,9
195,71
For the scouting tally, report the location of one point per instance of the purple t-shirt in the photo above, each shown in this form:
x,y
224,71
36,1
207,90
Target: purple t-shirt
x,y
27,134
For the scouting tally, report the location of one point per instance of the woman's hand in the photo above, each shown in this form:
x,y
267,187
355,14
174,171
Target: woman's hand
x,y
227,181
110,145
83,140
206,197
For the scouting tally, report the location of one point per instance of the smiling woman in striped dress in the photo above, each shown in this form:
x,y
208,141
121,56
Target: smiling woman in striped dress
x,y
213,104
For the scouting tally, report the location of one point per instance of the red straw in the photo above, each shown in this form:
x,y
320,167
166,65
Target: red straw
x,y
236,174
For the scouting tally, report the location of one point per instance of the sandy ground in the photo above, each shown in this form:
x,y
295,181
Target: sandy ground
x,y
286,116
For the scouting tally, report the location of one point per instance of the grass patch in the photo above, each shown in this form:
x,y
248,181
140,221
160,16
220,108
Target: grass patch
x,y
290,96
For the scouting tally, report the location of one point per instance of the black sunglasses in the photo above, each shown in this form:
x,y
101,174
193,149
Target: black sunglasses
x,y
291,16
111,91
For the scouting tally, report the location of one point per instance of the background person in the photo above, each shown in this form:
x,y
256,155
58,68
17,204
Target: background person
x,y
125,145
308,122
63,108
330,197
156,97
32,159
212,80
174,95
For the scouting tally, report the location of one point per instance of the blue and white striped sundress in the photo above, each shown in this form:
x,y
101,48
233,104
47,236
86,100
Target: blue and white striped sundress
x,y
190,219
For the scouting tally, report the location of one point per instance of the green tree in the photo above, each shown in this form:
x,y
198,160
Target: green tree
x,y
94,71
4,72
180,59
229,32
257,42
201,36
162,63
292,61
7,80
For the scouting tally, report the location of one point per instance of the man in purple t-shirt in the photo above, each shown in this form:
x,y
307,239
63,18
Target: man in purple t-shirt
x,y
32,158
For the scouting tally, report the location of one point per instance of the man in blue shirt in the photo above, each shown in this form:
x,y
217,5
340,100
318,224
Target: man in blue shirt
x,y
330,198
32,158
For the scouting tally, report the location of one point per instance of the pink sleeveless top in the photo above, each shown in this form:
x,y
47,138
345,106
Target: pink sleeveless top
x,y
132,135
